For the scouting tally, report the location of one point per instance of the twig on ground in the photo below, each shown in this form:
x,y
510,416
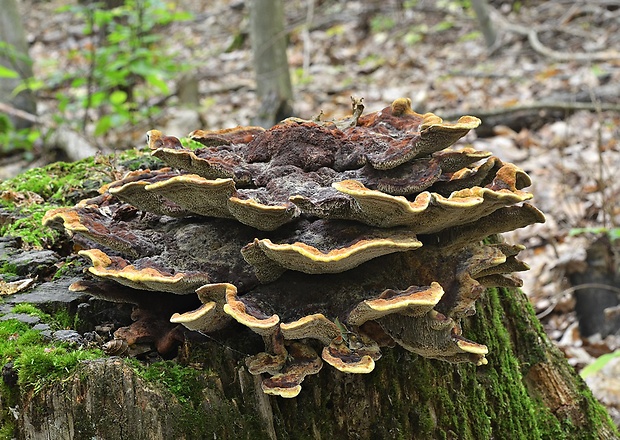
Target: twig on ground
x,y
74,145
6,108
532,37
556,297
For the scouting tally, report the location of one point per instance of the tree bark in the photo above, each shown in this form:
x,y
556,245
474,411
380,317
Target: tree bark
x,y
481,8
15,57
527,391
595,289
273,82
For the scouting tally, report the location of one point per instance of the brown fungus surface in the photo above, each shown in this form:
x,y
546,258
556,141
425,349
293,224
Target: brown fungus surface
x,y
348,236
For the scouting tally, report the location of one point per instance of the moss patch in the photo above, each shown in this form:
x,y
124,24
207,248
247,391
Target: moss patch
x,y
510,408
71,266
61,319
191,143
59,184
40,365
206,413
184,382
510,311
35,359
8,269
29,309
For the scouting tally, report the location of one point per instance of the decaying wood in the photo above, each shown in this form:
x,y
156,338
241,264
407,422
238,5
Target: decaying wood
x,y
528,390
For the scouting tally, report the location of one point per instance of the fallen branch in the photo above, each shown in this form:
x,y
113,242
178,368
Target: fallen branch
x,y
73,144
6,108
542,105
537,106
532,115
532,38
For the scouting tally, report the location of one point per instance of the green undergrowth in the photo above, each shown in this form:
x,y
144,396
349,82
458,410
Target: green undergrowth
x,y
31,194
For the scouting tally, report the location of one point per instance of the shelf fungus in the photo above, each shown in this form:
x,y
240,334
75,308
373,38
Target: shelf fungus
x,y
332,240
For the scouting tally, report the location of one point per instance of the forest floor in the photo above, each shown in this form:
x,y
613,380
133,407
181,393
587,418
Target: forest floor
x,y
554,60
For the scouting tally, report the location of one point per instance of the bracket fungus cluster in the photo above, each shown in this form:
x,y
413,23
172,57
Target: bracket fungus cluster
x,y
330,239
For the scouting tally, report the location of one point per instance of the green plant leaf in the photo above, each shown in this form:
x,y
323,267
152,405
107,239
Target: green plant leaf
x,y
382,23
28,84
96,99
78,82
118,97
578,231
443,26
103,125
471,36
614,234
599,363
182,16
5,72
5,124
413,37
32,135
157,82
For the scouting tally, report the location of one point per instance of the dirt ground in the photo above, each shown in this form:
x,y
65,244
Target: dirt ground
x,y
555,60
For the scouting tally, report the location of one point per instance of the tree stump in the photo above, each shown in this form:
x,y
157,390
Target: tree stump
x,y
527,391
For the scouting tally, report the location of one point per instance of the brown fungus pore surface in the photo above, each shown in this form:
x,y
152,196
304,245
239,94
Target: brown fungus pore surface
x,y
348,236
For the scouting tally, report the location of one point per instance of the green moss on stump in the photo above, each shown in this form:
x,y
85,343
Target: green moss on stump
x,y
205,411
36,361
407,396
60,184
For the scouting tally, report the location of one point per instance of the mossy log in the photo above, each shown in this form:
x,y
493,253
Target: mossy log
x,y
527,391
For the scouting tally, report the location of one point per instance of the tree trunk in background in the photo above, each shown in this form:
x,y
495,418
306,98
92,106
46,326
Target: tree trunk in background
x,y
273,82
481,8
15,57
596,291
527,391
